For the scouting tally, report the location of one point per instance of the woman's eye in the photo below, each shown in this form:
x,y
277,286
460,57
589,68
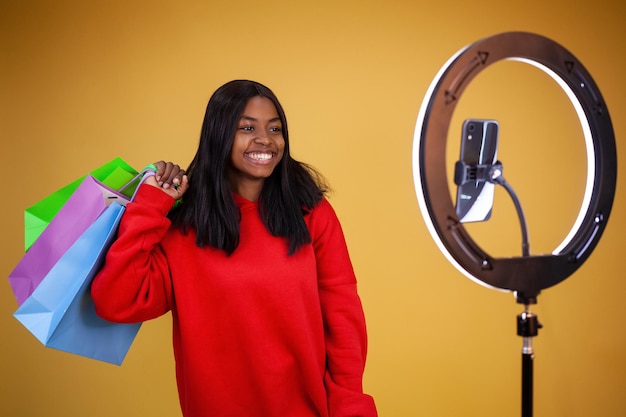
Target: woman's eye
x,y
247,128
275,129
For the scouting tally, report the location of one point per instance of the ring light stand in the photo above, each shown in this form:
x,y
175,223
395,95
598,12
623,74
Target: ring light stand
x,y
526,275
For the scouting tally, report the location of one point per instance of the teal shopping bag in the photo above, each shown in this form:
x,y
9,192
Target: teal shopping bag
x,y
61,313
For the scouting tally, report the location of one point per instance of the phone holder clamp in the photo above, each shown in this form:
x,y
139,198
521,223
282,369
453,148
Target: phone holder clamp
x,y
464,173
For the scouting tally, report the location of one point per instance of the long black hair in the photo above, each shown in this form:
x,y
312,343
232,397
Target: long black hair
x,y
209,208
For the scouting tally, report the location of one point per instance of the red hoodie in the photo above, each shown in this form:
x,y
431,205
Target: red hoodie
x,y
258,333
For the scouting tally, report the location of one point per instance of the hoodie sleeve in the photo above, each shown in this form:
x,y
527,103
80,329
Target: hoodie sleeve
x,y
344,321
134,283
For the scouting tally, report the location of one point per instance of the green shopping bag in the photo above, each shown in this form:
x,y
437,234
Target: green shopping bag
x,y
114,174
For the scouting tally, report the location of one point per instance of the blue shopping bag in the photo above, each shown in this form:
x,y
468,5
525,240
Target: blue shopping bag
x,y
61,313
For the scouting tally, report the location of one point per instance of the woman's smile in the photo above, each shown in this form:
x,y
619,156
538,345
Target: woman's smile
x,y
260,157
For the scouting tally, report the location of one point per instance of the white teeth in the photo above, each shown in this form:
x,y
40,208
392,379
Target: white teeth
x,y
260,156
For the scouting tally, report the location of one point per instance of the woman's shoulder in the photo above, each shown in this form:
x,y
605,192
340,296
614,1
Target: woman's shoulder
x,y
323,206
322,213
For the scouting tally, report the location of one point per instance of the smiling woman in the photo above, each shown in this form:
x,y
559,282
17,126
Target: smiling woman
x,y
257,149
253,266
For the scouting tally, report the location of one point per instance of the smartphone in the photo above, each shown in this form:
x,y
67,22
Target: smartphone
x,y
479,146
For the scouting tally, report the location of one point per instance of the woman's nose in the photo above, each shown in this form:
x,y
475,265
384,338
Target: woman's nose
x,y
262,139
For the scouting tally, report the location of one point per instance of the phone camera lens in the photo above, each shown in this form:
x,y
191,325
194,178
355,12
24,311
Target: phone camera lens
x,y
471,127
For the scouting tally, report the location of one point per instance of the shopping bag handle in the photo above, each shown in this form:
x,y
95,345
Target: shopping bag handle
x,y
148,171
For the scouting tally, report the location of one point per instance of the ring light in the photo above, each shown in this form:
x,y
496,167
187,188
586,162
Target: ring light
x,y
525,275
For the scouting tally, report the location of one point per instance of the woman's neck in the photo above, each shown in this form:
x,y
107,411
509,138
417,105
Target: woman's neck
x,y
250,190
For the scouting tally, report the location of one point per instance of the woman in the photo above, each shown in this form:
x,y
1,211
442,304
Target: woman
x,y
253,266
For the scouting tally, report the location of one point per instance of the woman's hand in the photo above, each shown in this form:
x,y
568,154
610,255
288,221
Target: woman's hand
x,y
170,178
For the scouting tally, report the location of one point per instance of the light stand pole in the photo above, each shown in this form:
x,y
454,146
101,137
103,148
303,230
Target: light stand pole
x,y
528,327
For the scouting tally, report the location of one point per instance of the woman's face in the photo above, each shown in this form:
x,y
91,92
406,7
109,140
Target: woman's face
x,y
258,147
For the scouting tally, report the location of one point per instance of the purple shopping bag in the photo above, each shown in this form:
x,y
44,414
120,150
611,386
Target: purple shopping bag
x,y
83,207
59,310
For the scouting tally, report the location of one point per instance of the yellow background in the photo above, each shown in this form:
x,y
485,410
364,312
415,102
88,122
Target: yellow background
x,y
82,82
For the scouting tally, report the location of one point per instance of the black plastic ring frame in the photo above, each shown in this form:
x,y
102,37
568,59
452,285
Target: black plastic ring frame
x,y
528,275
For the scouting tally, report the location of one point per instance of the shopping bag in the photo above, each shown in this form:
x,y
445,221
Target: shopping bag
x,y
80,210
61,313
37,217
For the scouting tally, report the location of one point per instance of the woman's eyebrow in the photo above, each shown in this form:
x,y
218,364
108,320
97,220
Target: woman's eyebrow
x,y
253,119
